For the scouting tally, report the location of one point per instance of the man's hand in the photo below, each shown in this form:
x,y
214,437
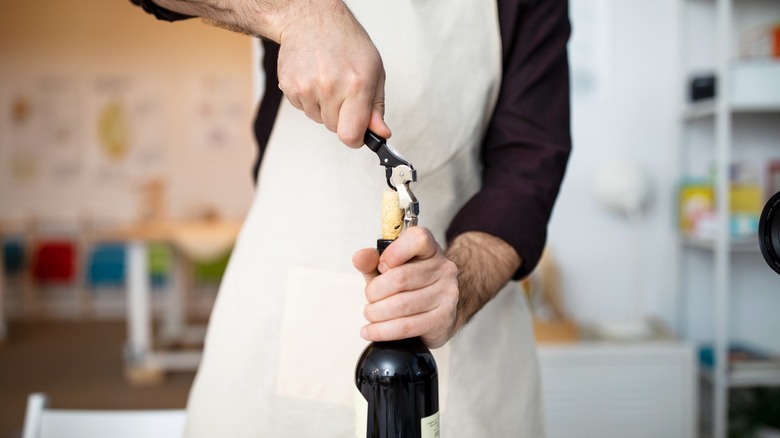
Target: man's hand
x,y
330,69
416,293
328,66
424,292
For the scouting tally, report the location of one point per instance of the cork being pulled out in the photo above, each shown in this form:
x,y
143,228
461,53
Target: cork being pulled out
x,y
392,215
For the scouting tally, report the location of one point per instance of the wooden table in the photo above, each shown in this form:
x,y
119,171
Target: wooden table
x,y
191,240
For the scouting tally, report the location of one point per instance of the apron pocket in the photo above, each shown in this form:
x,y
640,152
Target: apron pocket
x,y
320,339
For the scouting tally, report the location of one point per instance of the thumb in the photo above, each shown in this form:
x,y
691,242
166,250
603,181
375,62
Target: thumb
x,y
376,122
366,261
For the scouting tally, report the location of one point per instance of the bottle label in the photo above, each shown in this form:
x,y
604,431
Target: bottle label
x,y
429,426
361,415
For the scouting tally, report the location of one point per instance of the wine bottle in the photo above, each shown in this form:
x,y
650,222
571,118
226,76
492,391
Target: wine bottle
x,y
397,387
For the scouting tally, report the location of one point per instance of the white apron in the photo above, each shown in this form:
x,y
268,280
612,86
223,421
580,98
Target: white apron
x,y
283,338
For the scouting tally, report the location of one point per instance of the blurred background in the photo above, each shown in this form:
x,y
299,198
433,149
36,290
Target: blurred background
x,y
125,172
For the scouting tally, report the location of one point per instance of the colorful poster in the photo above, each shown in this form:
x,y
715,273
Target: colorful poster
x,y
589,50
124,130
40,139
21,133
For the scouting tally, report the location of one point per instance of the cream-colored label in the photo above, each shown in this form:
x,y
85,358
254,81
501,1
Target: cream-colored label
x,y
361,415
429,426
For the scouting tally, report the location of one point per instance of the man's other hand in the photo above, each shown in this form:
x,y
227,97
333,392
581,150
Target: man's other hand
x,y
416,293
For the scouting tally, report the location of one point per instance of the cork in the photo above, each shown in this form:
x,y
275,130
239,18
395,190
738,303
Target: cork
x,y
392,215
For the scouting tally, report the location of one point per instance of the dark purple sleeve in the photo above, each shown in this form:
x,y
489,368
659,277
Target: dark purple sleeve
x,y
528,140
158,12
269,105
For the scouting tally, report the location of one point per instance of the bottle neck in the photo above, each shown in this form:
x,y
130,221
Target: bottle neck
x,y
382,244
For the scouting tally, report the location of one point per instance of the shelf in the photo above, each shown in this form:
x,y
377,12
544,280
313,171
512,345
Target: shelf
x,y
746,94
707,109
745,381
746,244
756,108
699,110
753,90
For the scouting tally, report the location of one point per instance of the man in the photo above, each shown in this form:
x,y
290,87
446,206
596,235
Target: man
x,y
477,91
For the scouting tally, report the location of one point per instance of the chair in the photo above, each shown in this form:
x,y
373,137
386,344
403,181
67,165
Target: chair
x,y
43,422
12,277
13,256
160,264
54,262
211,271
106,266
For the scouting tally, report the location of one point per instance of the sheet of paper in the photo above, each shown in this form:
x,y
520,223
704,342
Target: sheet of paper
x,y
589,49
124,130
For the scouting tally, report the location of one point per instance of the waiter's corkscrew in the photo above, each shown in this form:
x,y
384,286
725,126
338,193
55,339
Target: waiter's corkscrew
x,y
400,173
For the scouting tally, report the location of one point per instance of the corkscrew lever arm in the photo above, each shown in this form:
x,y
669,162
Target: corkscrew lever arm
x,y
400,173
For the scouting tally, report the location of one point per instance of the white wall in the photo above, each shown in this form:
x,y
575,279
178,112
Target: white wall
x,y
635,117
632,117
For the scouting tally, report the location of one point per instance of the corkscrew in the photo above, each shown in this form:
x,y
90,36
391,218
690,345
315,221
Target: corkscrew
x,y
400,173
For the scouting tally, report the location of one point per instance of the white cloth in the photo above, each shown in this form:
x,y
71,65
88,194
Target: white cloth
x,y
284,337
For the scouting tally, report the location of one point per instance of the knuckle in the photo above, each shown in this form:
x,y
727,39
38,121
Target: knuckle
x,y
305,89
284,85
327,88
369,292
417,233
350,139
422,238
405,307
400,283
358,81
368,313
450,269
405,328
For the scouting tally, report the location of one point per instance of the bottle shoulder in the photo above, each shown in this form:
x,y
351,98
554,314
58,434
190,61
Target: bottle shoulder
x,y
409,357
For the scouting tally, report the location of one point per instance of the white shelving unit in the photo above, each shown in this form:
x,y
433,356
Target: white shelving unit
x,y
744,382
720,111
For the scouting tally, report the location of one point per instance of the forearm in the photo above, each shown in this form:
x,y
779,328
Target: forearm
x,y
485,264
264,18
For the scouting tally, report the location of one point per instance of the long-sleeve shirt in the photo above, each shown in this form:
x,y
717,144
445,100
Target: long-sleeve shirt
x,y
527,144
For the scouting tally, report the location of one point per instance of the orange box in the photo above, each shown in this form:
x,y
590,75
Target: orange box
x,y
776,41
